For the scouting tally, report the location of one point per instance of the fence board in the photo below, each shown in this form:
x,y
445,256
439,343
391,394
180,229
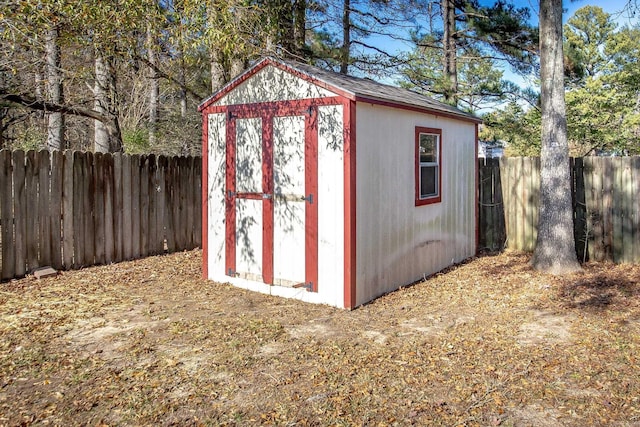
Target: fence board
x,y
107,178
197,214
118,208
162,201
55,243
579,207
626,205
67,207
135,206
19,213
99,207
616,210
190,203
635,199
44,218
89,208
127,235
170,177
6,216
31,192
152,234
144,205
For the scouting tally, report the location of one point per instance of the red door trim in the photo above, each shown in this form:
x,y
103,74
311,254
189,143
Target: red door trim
x,y
311,191
230,200
267,203
349,123
205,193
306,108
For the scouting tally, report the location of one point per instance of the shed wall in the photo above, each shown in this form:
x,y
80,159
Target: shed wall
x,y
330,211
272,84
398,242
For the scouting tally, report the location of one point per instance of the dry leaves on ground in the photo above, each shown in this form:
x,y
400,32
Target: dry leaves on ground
x,y
489,342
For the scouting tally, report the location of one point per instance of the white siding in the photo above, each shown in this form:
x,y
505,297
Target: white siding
x,y
272,84
289,205
330,200
215,196
331,205
398,242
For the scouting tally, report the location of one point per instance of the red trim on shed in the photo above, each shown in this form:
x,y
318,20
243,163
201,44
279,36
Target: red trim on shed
x,y
230,200
433,199
349,124
267,203
205,198
264,63
417,108
311,191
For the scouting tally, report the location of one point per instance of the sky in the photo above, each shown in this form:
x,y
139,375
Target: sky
x,y
619,9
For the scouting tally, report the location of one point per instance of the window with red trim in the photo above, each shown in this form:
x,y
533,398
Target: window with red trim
x,y
428,165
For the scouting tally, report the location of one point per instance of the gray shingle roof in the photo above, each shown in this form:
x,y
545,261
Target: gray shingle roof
x,y
369,89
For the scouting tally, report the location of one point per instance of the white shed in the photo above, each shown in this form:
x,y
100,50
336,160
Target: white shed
x,y
333,189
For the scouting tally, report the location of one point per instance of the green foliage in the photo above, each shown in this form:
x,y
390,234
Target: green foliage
x,y
602,65
483,35
586,33
136,140
518,128
480,83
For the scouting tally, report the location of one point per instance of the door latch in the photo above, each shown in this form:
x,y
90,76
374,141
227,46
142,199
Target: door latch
x,y
309,198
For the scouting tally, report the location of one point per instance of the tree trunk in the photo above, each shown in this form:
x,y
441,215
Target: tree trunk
x,y
183,82
449,46
300,26
237,67
154,88
345,52
217,70
107,135
55,125
555,251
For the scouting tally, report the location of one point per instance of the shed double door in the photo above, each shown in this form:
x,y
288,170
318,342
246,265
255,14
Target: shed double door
x,y
271,205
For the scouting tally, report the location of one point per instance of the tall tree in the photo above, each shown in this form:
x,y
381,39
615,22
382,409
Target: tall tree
x,y
154,85
55,125
586,33
470,36
555,251
107,135
450,51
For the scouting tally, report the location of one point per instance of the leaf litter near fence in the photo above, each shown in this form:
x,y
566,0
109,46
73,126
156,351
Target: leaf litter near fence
x,y
488,342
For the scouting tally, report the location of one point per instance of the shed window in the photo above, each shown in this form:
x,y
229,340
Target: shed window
x,y
428,165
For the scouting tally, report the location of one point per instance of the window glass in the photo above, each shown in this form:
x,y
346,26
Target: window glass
x,y
428,181
428,159
428,148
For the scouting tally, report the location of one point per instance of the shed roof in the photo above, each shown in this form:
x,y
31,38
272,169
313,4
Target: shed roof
x,y
355,88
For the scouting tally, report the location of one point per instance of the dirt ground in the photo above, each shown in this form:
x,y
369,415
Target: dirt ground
x,y
489,342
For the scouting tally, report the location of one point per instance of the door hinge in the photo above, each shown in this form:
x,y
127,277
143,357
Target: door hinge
x,y
309,198
308,286
267,196
231,273
230,193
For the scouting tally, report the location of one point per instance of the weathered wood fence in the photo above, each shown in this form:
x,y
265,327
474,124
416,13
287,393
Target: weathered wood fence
x,y
606,205
73,209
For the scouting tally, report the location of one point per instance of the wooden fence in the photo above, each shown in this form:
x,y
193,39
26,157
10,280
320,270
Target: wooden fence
x,y
73,209
606,205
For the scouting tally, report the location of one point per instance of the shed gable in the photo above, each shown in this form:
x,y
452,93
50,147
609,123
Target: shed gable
x,y
271,84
